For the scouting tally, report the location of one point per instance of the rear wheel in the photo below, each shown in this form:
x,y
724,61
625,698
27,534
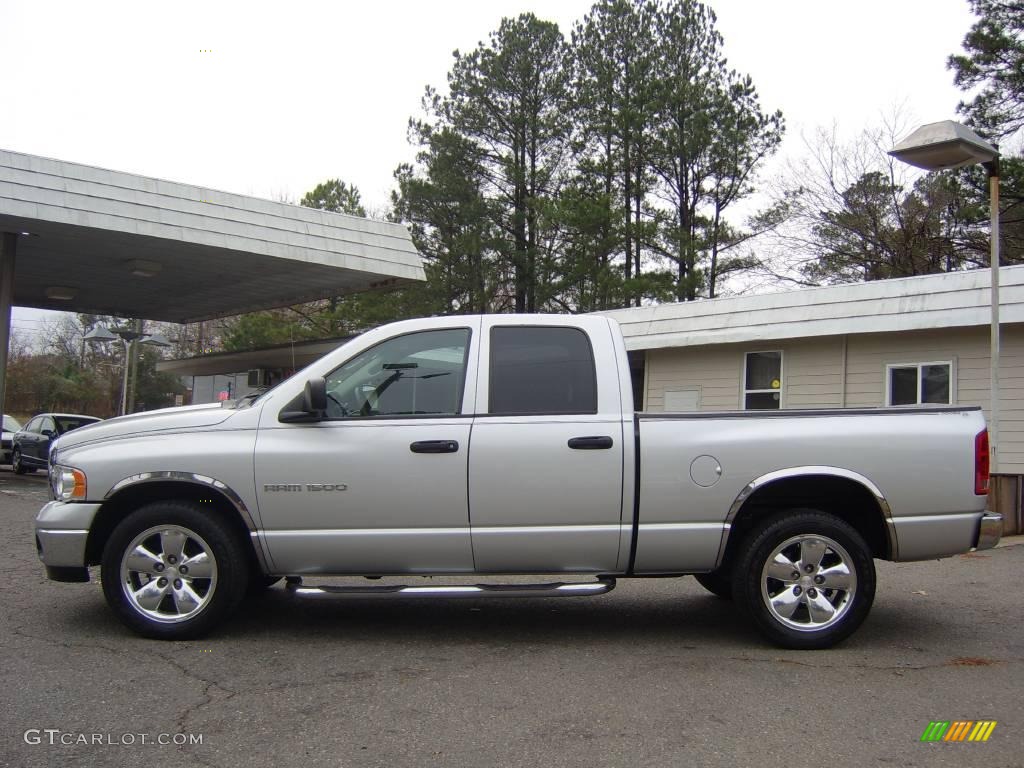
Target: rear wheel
x,y
805,578
172,572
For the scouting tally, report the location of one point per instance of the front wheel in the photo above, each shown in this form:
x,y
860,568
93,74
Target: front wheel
x,y
17,464
170,571
805,578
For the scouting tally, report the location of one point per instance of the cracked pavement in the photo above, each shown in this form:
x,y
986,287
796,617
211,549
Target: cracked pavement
x,y
656,673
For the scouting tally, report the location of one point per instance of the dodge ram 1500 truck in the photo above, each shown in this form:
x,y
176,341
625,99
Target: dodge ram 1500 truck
x,y
506,445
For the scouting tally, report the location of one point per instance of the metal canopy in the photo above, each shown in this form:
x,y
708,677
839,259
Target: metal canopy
x,y
115,243
292,356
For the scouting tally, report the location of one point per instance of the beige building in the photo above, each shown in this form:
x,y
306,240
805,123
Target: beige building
x,y
911,342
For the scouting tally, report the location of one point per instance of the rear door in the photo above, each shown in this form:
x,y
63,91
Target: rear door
x,y
546,461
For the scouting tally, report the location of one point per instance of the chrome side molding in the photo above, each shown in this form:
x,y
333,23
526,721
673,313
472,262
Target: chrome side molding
x,y
187,477
808,471
211,482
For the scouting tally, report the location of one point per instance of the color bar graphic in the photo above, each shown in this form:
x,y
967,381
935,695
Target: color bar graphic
x,y
958,730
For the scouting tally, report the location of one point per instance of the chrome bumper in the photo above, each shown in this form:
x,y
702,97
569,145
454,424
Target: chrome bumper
x,y
990,530
62,530
61,548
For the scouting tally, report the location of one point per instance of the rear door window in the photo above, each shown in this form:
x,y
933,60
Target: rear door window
x,y
539,370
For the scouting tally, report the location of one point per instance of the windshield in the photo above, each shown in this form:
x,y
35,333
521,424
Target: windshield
x,y
11,424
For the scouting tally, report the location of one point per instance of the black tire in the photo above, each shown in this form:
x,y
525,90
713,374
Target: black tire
x,y
205,540
18,465
718,583
832,545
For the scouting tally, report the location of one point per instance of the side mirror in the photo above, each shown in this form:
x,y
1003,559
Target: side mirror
x,y
307,407
49,433
315,396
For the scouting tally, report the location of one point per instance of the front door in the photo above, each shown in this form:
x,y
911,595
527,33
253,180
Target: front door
x,y
380,485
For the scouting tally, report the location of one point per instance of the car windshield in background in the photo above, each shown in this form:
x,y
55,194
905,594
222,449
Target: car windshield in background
x,y
11,424
66,424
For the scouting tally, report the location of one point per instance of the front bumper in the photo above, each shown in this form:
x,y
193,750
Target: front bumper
x,y
990,530
62,530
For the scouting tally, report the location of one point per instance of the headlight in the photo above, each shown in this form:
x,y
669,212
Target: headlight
x,y
67,483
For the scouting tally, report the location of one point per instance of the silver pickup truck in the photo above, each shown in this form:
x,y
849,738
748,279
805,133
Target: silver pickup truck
x,y
502,445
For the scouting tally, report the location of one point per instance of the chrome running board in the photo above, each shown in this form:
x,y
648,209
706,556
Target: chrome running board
x,y
555,589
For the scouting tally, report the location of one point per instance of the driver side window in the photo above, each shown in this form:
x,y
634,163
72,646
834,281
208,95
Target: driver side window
x,y
417,374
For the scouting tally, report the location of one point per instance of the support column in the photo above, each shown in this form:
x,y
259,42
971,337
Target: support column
x,y
134,357
8,250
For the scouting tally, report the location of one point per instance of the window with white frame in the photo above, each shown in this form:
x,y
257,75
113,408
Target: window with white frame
x,y
919,383
762,381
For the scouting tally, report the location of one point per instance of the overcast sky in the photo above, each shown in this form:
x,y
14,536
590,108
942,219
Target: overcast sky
x,y
268,99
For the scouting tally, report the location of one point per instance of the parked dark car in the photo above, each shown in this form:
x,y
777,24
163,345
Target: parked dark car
x,y
10,426
31,449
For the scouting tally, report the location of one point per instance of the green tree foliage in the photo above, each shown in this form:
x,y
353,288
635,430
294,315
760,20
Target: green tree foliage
x,y
153,388
451,223
507,99
852,213
573,176
992,70
858,216
329,318
585,175
617,73
69,374
993,67
883,231
335,195
711,138
265,329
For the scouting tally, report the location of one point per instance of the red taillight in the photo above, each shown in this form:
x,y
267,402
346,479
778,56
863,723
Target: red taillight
x,y
981,463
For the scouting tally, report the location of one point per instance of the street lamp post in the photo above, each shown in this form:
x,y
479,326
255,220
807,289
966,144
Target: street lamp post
x,y
128,338
948,144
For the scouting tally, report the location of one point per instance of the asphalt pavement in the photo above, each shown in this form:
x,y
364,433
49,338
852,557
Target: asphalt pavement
x,y
656,673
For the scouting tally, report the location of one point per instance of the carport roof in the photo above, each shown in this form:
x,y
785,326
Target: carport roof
x,y
289,356
216,253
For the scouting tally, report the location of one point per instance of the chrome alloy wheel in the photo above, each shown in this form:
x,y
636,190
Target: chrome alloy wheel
x,y
808,583
168,573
